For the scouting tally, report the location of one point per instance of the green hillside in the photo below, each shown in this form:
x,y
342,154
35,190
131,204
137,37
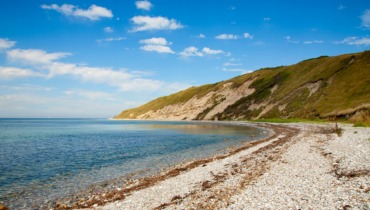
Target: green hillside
x,y
318,88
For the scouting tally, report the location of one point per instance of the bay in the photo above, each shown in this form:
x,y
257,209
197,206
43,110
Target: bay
x,y
46,159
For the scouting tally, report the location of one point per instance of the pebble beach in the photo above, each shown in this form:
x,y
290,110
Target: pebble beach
x,y
301,166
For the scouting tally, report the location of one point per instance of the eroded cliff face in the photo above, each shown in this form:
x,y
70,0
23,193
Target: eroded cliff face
x,y
213,104
210,104
319,88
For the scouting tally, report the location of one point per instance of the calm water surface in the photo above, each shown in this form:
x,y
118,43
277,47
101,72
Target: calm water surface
x,y
45,159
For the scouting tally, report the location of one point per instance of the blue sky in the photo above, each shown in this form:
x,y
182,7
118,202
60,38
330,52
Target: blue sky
x,y
86,58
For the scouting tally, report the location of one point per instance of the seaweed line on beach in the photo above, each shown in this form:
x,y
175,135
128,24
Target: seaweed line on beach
x,y
210,195
120,194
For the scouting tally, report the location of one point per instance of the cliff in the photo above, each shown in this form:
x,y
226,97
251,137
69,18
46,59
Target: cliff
x,y
319,88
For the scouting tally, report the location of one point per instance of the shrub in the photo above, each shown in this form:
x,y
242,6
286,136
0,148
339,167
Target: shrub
x,y
329,130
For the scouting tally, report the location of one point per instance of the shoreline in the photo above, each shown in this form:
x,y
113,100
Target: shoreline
x,y
245,176
68,192
169,172
267,173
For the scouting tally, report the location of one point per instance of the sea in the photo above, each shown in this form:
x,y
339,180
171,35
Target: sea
x,y
43,160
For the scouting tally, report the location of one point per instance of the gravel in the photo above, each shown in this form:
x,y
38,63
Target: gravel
x,y
308,175
301,167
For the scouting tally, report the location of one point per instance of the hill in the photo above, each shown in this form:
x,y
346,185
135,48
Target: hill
x,y
319,88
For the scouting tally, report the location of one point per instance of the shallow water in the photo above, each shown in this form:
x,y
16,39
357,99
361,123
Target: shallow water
x,y
45,159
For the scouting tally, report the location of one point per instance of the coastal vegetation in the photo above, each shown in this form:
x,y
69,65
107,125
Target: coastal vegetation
x,y
323,88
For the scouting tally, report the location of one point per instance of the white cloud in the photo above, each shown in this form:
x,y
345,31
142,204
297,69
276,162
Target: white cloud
x,y
201,36
366,19
28,88
289,39
111,39
231,64
6,43
145,5
55,105
247,36
108,30
156,44
227,36
157,48
92,13
154,41
147,23
242,71
191,51
209,51
35,56
314,42
341,7
355,41
122,79
91,95
12,72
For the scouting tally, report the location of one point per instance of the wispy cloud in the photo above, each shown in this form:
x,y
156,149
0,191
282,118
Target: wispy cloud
x,y
91,95
147,23
313,42
157,48
191,51
154,41
209,51
341,7
247,36
108,30
365,41
122,79
111,39
227,36
27,87
12,72
50,64
201,36
156,44
144,5
231,64
36,105
240,70
6,43
34,56
92,13
366,19
266,19
290,40
195,52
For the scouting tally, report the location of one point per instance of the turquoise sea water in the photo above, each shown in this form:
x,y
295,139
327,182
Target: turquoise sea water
x,y
45,159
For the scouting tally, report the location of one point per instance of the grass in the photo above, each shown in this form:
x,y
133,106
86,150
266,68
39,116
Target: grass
x,y
361,124
289,120
175,98
330,130
339,89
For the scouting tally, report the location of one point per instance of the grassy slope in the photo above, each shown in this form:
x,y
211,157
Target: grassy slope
x,y
345,83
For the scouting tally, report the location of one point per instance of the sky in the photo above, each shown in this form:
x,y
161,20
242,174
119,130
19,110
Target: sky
x,y
95,58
